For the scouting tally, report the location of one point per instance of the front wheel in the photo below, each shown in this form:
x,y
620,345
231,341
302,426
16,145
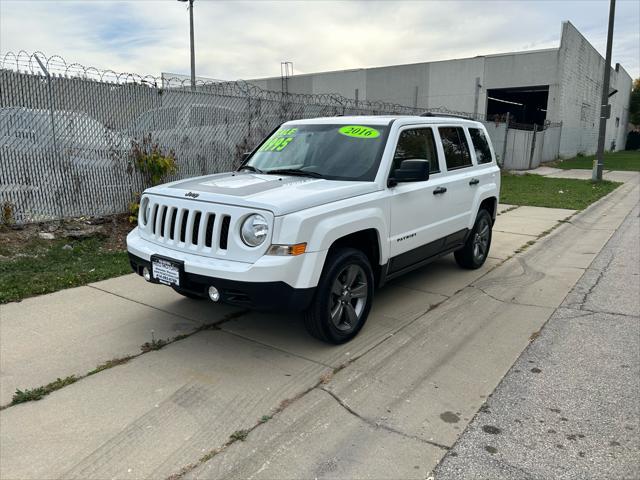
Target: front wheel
x,y
343,297
476,248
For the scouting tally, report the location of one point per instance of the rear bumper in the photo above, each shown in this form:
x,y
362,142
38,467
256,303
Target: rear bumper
x,y
257,295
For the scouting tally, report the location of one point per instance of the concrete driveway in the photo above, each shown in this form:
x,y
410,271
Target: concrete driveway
x,y
244,394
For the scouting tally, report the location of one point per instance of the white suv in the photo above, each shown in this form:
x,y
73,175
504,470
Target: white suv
x,y
321,212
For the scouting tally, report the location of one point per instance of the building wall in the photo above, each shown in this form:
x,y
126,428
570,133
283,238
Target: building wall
x,y
573,73
449,84
581,68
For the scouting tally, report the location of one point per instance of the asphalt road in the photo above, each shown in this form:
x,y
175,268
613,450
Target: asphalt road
x,y
569,407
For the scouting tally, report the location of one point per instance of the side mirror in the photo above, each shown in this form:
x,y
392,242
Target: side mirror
x,y
410,171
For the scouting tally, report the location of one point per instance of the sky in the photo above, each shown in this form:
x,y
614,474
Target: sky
x,y
249,39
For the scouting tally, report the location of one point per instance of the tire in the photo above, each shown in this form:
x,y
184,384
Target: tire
x,y
186,294
346,271
476,248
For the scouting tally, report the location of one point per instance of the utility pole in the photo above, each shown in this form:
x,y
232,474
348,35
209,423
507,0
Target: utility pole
x,y
605,108
193,50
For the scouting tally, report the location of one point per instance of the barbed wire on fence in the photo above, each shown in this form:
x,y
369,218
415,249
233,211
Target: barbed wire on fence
x,y
56,65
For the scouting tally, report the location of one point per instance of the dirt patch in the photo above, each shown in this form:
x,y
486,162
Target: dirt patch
x,y
17,240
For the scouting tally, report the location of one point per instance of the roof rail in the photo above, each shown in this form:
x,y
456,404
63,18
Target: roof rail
x,y
438,114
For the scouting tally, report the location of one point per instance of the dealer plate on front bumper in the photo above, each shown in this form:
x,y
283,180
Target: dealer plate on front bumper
x,y
165,271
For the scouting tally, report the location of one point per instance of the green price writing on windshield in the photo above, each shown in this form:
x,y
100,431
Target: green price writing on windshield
x,y
280,139
275,144
358,131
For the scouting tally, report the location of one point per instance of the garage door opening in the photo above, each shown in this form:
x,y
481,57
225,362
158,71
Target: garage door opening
x,y
525,104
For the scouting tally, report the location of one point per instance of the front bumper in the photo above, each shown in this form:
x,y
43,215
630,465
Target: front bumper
x,y
272,283
256,295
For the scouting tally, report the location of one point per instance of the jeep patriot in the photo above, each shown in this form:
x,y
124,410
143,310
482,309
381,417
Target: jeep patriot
x,y
321,213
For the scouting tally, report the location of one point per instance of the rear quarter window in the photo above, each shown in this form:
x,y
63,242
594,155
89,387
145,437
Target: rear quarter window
x,y
480,145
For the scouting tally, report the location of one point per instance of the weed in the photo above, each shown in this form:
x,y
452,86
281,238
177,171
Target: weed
x,y
153,164
209,455
7,213
110,364
240,435
33,394
326,377
153,345
265,418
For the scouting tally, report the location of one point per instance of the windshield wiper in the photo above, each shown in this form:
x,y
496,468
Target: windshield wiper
x,y
251,168
294,171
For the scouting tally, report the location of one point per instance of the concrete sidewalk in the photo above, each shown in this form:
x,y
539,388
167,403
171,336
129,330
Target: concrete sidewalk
x,y
569,406
395,397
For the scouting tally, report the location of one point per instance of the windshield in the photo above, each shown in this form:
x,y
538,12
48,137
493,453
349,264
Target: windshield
x,y
337,152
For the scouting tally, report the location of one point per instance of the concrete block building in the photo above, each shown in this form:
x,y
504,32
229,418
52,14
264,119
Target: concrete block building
x,y
562,84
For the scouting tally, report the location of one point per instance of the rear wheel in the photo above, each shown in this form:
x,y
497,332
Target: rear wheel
x,y
343,297
476,248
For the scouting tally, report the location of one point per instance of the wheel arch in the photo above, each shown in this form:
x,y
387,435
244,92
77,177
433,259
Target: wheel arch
x,y
486,199
368,242
489,204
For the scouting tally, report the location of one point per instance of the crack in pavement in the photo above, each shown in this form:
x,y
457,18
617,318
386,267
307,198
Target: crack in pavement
x,y
588,229
505,301
585,296
378,425
588,312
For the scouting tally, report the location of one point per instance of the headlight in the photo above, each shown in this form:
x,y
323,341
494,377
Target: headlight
x,y
143,212
254,230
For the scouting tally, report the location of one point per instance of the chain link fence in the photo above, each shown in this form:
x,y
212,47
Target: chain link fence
x,y
66,131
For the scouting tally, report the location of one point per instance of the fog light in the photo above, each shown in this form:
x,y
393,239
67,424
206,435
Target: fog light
x,y
146,274
214,294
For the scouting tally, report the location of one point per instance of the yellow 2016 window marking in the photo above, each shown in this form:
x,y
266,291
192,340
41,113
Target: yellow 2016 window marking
x,y
358,131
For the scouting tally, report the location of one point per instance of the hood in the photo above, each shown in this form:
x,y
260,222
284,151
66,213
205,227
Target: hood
x,y
281,194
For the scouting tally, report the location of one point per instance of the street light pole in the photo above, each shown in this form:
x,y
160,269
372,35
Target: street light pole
x,y
605,108
193,49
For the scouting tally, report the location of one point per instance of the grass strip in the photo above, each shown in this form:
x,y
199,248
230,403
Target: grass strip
x,y
539,191
627,160
45,266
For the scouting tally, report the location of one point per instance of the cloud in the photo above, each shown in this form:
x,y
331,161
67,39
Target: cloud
x,y
242,39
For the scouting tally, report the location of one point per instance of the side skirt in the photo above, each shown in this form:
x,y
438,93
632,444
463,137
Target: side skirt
x,y
422,255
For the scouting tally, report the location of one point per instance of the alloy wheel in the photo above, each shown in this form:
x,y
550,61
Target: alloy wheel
x,y
481,239
348,297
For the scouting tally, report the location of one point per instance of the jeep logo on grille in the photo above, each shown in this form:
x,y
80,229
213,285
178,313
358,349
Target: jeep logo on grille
x,y
192,195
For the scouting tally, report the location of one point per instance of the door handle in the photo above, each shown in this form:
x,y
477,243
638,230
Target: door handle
x,y
474,181
439,190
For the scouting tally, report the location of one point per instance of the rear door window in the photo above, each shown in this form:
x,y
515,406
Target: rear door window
x,y
417,144
480,145
456,149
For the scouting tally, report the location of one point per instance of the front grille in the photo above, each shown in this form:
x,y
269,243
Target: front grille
x,y
187,227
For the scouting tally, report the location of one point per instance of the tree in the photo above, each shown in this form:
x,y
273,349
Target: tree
x,y
634,107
